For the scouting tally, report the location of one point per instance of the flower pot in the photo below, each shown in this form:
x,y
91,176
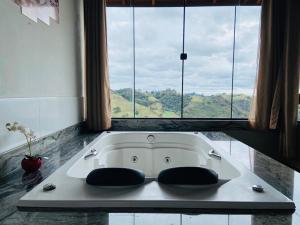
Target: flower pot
x,y
31,164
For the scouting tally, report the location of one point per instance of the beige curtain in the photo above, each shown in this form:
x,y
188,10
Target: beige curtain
x,y
98,106
275,100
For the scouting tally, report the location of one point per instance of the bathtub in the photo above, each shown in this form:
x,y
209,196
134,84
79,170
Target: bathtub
x,y
152,152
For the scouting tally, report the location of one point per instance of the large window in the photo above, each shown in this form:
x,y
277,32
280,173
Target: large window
x,y
158,42
150,78
245,63
208,68
120,55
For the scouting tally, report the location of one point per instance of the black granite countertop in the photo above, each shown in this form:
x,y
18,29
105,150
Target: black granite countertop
x,y
14,186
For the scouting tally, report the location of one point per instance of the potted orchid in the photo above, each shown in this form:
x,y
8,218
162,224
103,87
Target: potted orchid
x,y
30,163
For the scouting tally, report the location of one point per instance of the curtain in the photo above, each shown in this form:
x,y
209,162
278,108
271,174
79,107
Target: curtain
x,y
98,106
275,101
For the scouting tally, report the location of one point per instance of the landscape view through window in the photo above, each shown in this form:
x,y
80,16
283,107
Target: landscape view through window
x,y
146,72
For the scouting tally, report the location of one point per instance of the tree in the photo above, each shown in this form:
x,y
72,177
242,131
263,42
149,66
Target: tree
x,y
117,109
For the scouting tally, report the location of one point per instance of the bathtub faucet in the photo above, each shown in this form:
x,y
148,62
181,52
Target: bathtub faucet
x,y
214,154
93,152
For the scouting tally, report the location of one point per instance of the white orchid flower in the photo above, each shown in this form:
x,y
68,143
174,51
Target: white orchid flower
x,y
12,126
28,133
31,134
8,126
21,129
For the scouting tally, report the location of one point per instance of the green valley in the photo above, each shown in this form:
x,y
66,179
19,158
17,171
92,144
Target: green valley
x,y
167,104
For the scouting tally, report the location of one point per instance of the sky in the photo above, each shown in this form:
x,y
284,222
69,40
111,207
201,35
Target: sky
x,y
209,37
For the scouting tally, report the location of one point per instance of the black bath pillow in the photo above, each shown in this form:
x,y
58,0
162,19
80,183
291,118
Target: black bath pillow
x,y
188,176
115,177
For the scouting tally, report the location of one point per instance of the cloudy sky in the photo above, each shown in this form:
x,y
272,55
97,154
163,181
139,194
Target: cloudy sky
x,y
208,44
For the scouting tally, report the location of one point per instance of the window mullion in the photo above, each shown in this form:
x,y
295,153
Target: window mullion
x,y
133,40
233,63
182,67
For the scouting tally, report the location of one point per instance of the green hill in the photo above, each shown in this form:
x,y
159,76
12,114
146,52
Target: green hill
x,y
147,106
167,104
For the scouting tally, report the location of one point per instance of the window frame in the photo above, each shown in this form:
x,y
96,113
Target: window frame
x,y
181,115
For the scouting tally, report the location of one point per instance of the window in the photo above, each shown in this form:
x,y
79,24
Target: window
x,y
208,69
158,42
149,79
120,59
245,64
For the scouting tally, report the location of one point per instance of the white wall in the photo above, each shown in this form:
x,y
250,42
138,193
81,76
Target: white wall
x,y
40,71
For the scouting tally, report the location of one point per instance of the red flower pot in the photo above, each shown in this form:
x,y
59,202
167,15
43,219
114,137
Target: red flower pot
x,y
31,164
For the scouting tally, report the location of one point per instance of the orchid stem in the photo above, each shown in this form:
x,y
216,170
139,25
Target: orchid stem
x,y
29,145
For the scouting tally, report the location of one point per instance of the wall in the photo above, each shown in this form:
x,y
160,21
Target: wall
x,y
40,71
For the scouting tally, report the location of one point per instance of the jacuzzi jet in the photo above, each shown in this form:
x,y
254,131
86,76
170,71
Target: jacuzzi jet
x,y
134,159
151,139
167,159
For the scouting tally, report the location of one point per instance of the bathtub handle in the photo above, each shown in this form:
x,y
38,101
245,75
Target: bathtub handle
x,y
92,153
214,154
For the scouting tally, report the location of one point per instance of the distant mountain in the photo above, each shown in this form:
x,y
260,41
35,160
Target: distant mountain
x,y
167,104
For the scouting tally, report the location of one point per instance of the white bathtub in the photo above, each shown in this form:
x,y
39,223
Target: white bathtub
x,y
152,153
